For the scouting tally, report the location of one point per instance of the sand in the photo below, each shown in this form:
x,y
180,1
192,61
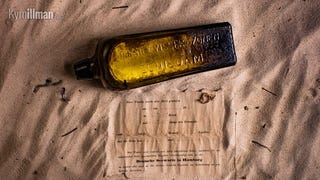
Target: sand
x,y
271,97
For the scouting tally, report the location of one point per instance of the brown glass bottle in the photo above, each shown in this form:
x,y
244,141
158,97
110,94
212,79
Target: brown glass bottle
x,y
132,61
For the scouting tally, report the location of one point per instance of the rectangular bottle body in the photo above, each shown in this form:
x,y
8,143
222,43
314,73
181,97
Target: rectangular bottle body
x,y
141,59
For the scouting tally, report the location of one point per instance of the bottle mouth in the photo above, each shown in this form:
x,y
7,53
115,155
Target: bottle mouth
x,y
85,69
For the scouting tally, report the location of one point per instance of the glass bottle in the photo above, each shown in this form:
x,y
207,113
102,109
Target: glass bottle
x,y
136,60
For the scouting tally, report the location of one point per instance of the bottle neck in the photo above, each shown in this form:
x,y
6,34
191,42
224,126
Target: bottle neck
x,y
86,69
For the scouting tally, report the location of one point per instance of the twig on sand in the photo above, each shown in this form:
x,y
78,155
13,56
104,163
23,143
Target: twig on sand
x,y
120,7
37,87
184,90
261,145
46,84
56,83
269,91
66,134
62,92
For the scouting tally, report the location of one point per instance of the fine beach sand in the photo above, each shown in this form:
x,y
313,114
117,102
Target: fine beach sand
x,y
271,97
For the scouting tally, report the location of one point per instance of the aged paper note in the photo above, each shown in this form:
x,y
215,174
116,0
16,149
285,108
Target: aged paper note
x,y
176,133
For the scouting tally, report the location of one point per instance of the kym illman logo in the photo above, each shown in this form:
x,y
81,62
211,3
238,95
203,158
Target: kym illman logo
x,y
33,14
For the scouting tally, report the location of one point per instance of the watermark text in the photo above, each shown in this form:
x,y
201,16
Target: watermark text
x,y
33,14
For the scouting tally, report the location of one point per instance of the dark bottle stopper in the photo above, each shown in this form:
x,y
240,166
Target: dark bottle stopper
x,y
85,69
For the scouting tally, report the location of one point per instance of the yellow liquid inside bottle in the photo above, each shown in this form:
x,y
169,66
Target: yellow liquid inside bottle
x,y
152,58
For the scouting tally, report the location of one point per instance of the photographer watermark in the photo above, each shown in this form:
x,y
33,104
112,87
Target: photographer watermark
x,y
33,14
